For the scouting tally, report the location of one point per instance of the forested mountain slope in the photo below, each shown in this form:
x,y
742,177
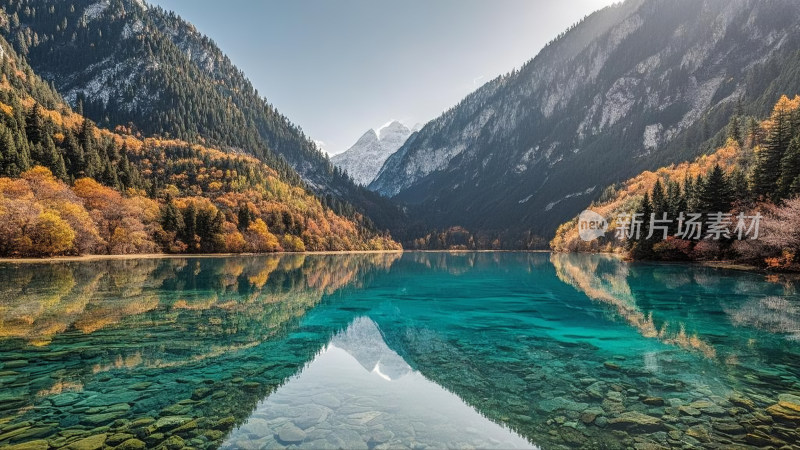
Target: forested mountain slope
x,y
123,62
632,87
756,173
68,187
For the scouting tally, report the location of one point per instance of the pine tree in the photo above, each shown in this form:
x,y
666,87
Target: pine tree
x,y
768,162
8,153
715,194
93,164
642,248
753,131
34,125
734,129
739,187
244,217
125,173
676,203
109,176
692,188
190,225
52,159
659,199
171,218
790,169
73,155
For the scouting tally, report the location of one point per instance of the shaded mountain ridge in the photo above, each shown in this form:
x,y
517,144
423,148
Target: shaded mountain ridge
x,y
633,86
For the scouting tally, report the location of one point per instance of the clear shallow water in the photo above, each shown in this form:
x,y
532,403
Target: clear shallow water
x,y
424,350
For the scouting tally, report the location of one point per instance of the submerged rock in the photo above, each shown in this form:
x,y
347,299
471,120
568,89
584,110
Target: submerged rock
x,y
787,409
699,432
118,438
291,434
94,420
636,421
170,422
689,411
742,401
131,444
596,389
653,401
558,403
730,428
173,443
40,444
327,399
90,443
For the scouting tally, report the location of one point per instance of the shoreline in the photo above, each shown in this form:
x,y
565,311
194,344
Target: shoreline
x,y
87,258
722,264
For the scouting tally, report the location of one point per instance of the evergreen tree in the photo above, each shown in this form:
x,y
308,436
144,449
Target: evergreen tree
x,y
244,217
659,200
768,162
23,153
34,125
171,218
73,155
127,178
692,188
52,159
790,170
676,203
8,153
109,176
642,248
715,194
752,132
739,187
189,225
93,164
734,129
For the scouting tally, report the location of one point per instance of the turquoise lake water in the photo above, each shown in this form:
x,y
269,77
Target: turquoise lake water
x,y
419,350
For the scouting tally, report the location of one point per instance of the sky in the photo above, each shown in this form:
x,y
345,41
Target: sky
x,y
337,68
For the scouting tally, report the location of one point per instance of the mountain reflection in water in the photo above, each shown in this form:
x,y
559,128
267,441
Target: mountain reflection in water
x,y
358,393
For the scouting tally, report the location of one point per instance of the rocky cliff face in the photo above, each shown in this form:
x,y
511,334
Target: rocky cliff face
x,y
632,87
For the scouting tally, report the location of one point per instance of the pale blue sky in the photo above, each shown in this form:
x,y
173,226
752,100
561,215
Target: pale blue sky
x,y
340,67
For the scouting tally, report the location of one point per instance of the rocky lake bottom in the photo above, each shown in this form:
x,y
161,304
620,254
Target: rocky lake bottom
x,y
414,350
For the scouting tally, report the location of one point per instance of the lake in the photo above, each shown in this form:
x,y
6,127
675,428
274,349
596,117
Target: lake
x,y
414,350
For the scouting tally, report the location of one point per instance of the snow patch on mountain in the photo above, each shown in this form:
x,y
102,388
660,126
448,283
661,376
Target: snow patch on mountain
x,y
551,205
95,10
619,101
652,136
102,80
132,29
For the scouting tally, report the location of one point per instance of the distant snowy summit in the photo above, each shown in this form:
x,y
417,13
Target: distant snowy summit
x,y
365,158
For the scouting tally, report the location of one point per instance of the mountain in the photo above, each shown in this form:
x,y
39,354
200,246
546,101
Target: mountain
x,y
632,87
365,158
68,187
124,63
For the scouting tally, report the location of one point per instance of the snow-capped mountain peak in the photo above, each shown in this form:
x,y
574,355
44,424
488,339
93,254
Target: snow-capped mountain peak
x,y
365,158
